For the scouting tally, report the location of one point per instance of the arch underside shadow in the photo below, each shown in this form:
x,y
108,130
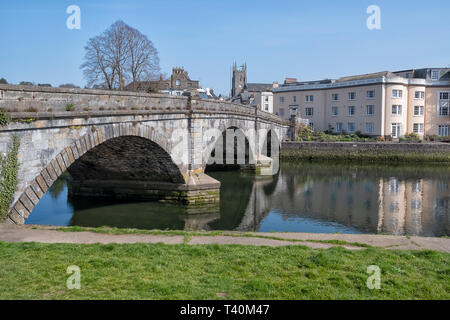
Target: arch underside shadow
x,y
126,167
271,145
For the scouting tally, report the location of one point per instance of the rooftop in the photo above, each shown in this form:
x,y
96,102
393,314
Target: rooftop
x,y
366,76
420,76
259,87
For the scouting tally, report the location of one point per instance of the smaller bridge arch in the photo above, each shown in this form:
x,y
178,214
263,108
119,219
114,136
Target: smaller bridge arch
x,y
228,147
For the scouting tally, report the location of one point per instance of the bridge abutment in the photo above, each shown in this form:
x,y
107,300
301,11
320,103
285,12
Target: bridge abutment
x,y
199,192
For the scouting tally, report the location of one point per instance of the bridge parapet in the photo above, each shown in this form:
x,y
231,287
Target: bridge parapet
x,y
22,102
218,107
31,99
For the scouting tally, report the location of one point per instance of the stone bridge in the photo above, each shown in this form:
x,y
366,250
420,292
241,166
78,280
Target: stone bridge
x,y
129,145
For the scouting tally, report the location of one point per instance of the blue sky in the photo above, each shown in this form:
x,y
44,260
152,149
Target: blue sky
x,y
308,40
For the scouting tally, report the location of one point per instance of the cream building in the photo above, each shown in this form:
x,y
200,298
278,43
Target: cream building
x,y
378,104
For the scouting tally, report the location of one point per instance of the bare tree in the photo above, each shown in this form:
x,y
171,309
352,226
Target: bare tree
x,y
143,60
98,68
118,55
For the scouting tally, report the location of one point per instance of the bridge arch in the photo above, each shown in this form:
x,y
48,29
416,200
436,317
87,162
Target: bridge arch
x,y
84,155
271,144
219,143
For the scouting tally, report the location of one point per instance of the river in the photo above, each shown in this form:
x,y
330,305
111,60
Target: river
x,y
303,197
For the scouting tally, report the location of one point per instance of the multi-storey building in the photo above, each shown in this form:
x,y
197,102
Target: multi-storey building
x,y
378,104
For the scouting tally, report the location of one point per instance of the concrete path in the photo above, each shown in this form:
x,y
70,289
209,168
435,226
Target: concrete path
x,y
28,233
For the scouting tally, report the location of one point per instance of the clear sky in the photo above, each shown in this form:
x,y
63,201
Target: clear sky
x,y
308,40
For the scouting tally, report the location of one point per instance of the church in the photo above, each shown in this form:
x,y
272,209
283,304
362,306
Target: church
x,y
251,94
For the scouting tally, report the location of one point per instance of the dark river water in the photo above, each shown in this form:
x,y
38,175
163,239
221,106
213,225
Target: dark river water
x,y
303,197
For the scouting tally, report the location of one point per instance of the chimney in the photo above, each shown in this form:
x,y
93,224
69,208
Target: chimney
x,y
275,84
290,80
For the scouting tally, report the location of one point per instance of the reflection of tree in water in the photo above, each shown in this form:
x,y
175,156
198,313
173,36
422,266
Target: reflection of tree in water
x,y
59,185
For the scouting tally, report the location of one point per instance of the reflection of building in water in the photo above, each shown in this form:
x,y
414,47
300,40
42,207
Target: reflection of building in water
x,y
416,207
334,198
361,199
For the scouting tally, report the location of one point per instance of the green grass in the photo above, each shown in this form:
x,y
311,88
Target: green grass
x,y
157,271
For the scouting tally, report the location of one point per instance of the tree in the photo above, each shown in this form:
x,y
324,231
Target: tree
x,y
3,81
119,54
143,62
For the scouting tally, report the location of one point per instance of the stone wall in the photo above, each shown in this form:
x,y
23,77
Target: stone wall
x,y
370,151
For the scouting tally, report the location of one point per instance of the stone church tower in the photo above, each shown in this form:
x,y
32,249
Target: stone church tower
x,y
239,79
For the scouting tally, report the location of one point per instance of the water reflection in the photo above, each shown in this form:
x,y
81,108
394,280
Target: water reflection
x,y
303,197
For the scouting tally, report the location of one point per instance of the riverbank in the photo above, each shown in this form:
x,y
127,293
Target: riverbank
x,y
366,151
212,271
107,235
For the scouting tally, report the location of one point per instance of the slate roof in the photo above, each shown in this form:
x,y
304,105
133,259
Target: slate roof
x,y
446,76
259,87
386,74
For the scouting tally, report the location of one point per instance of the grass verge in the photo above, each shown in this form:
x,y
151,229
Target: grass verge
x,y
157,271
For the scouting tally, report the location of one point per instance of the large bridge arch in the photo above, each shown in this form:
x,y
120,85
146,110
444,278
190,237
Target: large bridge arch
x,y
95,138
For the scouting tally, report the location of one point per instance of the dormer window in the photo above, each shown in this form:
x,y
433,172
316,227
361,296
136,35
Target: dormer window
x,y
435,74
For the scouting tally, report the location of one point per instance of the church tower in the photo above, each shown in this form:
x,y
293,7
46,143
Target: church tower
x,y
239,79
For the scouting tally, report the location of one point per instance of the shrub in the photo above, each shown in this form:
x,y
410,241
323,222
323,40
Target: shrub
x,y
306,134
70,107
8,178
4,118
411,137
432,137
